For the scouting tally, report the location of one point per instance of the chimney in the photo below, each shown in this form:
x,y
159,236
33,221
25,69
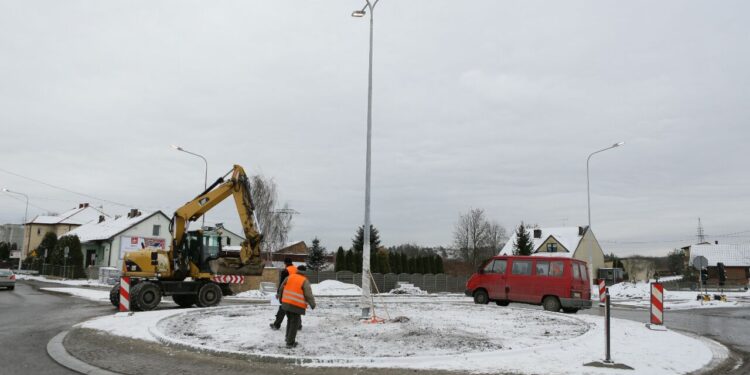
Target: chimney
x,y
716,242
537,233
581,230
133,213
101,218
83,205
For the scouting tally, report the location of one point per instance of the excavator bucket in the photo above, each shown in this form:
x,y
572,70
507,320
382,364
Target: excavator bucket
x,y
233,266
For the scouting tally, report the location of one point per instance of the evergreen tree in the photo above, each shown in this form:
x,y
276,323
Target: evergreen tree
x,y
340,264
403,263
74,261
357,262
394,263
523,244
359,239
48,243
439,264
316,256
4,250
349,261
374,262
385,266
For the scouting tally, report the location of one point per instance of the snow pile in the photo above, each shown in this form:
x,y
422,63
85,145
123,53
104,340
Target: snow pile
x,y
628,290
335,288
254,294
74,282
89,294
406,288
333,331
463,338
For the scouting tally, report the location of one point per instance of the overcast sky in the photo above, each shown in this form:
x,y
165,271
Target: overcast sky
x,y
481,104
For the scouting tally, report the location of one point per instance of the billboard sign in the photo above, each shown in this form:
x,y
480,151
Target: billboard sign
x,y
128,244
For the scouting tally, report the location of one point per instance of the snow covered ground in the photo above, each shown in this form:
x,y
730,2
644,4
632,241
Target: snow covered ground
x,y
639,295
466,338
89,294
74,282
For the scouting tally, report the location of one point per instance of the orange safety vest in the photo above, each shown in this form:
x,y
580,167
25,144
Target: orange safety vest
x,y
293,293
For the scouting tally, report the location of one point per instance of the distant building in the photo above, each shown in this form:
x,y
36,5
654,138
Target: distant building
x,y
58,224
571,242
297,251
12,233
105,241
736,259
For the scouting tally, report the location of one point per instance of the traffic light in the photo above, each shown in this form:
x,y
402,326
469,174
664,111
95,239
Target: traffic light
x,y
722,273
704,275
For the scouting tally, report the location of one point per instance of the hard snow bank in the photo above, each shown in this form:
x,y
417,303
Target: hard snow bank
x,y
75,282
89,294
471,338
335,288
410,289
253,295
639,295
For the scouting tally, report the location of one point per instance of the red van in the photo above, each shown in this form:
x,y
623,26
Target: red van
x,y
553,282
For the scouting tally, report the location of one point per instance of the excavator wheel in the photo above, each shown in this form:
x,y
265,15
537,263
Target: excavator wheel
x,y
209,295
114,295
145,296
184,300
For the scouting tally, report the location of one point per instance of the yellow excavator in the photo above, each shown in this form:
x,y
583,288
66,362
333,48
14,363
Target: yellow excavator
x,y
195,269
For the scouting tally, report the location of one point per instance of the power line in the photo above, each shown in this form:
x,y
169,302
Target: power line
x,y
67,190
30,204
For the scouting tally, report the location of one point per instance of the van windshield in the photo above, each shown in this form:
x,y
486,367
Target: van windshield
x,y
496,266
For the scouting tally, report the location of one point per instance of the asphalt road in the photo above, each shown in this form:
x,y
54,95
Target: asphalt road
x,y
29,318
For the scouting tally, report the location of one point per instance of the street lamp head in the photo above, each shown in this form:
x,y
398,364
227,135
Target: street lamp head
x,y
176,147
358,13
618,144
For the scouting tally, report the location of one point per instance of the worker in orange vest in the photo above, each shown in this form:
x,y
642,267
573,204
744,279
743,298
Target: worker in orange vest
x,y
295,297
289,269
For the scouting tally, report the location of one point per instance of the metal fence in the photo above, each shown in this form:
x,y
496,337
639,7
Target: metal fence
x,y
46,269
433,283
711,287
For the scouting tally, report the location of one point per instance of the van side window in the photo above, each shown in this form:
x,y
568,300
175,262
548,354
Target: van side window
x,y
584,272
542,268
556,269
496,266
521,267
576,271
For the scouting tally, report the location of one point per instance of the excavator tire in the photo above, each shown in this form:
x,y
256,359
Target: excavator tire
x,y
185,300
209,295
114,295
145,296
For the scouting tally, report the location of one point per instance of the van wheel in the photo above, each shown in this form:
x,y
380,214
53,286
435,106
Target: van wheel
x,y
481,297
570,310
502,303
551,303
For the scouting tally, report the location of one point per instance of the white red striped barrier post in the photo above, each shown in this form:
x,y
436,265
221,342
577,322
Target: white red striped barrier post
x,y
229,279
124,294
602,291
657,304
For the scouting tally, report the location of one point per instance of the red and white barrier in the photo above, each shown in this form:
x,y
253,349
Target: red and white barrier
x,y
657,304
124,294
228,279
602,291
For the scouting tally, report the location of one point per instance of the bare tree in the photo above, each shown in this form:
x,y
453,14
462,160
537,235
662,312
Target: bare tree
x,y
476,238
275,222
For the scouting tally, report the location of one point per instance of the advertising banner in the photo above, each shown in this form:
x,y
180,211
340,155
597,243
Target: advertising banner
x,y
128,244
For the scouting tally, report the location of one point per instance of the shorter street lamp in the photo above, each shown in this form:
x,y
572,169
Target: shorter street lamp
x,y
205,175
25,219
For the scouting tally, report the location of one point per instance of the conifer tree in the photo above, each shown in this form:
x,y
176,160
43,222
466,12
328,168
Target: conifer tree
x,y
316,256
523,244
349,261
340,263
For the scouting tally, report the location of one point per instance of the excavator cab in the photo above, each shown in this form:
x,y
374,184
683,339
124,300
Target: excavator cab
x,y
203,246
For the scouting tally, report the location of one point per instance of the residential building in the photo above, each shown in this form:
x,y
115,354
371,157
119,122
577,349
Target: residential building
x,y
58,224
572,242
105,241
736,259
11,233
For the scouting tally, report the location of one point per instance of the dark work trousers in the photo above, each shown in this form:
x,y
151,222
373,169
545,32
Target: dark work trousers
x,y
279,317
293,323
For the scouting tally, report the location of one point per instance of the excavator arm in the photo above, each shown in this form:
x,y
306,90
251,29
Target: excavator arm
x,y
238,186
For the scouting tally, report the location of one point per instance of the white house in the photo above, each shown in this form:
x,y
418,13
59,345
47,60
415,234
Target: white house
x,y
572,242
106,241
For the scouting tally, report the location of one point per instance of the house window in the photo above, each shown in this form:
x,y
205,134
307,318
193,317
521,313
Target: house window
x,y
229,241
551,247
157,229
38,231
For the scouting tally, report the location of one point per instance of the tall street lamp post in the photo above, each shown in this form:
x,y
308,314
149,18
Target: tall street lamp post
x,y
365,303
588,194
205,175
25,219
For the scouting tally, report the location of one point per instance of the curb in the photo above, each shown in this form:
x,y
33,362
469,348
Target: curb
x,y
59,354
721,353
